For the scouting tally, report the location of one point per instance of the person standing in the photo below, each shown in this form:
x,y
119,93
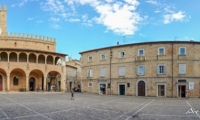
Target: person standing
x,y
72,94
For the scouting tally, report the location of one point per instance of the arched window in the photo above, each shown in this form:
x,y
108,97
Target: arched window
x,y
15,80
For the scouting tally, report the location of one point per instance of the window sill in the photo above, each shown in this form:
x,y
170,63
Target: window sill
x,y
122,57
103,60
102,76
162,55
181,55
89,77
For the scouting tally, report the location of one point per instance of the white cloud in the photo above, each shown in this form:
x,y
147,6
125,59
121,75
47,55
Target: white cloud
x,y
154,2
119,17
54,6
157,11
29,19
179,16
54,19
39,21
55,26
22,3
74,20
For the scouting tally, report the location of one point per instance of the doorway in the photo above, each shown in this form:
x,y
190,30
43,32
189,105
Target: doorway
x,y
181,91
121,89
31,84
1,83
141,88
103,88
161,90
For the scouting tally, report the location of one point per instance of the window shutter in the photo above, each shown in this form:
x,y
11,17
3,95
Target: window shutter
x,y
123,70
164,69
90,72
157,69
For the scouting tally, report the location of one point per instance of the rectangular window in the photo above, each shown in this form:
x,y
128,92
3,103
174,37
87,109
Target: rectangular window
x,y
103,56
182,51
161,69
182,68
89,73
140,52
89,58
103,72
121,71
161,51
89,84
121,54
141,70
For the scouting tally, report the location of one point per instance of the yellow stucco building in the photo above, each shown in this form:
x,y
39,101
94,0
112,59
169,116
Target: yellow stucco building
x,y
160,68
29,62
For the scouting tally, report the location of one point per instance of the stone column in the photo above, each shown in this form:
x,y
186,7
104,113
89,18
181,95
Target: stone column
x,y
8,83
17,57
45,83
27,83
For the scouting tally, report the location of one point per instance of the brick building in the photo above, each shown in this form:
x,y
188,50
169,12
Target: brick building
x,y
28,62
162,68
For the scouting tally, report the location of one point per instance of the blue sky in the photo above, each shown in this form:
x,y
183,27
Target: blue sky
x,y
80,25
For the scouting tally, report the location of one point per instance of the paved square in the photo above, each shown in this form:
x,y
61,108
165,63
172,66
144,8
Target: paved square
x,y
59,106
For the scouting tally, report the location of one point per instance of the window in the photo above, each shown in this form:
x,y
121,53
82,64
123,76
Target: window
x,y
89,84
161,69
182,68
128,84
121,71
103,72
161,51
141,70
89,73
121,54
103,56
140,52
89,58
182,51
15,80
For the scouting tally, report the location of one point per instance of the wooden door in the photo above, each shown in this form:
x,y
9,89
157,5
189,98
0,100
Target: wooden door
x,y
141,88
122,89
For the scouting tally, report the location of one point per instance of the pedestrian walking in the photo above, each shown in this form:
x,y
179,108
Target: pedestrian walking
x,y
72,94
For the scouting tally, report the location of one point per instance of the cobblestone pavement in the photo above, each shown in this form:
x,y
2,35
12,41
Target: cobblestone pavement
x,y
59,106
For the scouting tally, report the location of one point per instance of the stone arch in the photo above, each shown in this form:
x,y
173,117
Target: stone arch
x,y
54,79
22,57
21,75
38,76
13,57
3,56
58,61
50,59
3,76
32,58
41,59
141,86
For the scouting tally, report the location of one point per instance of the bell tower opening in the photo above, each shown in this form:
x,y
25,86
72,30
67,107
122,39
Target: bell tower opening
x,y
3,19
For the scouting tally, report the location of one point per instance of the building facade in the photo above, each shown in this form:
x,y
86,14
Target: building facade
x,y
28,62
73,74
162,69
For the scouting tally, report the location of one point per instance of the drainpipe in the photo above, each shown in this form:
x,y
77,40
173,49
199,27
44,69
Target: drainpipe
x,y
110,70
172,70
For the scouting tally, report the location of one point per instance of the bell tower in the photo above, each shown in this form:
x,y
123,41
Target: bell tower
x,y
3,19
